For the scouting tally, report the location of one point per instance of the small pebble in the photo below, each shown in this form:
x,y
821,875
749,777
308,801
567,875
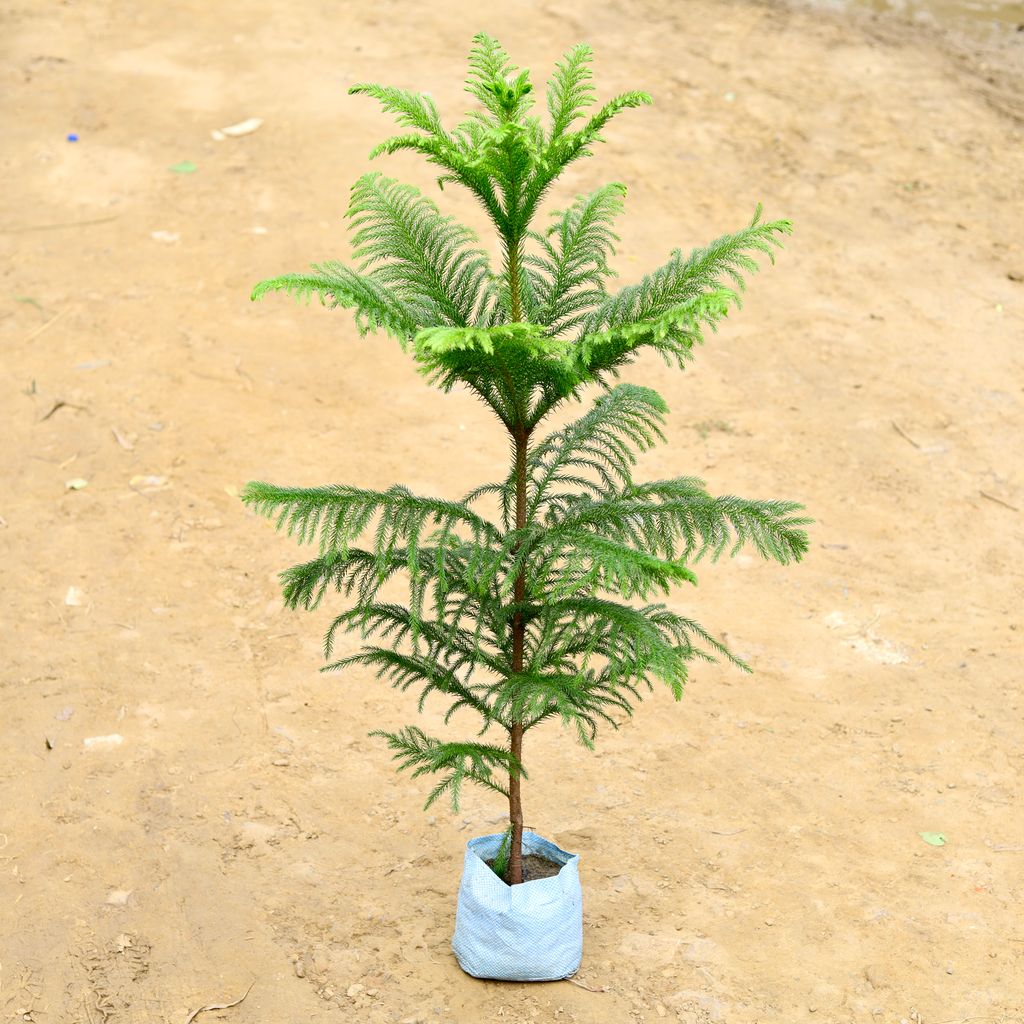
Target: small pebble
x,y
353,991
246,127
147,481
103,742
878,976
300,969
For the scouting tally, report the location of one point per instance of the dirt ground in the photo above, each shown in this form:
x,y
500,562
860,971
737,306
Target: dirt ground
x,y
751,855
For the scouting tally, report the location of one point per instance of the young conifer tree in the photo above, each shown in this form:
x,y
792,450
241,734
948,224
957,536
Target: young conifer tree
x,y
540,610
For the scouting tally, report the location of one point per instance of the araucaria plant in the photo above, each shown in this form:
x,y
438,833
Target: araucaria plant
x,y
530,599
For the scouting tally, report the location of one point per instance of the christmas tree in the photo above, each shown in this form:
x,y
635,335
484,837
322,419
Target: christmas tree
x,y
534,597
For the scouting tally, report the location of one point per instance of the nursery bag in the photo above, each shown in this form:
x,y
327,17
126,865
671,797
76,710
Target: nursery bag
x,y
527,932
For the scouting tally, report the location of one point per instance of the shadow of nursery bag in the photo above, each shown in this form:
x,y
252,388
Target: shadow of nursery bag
x,y
527,932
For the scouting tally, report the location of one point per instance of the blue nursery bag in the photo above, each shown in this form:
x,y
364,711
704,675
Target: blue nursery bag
x,y
527,932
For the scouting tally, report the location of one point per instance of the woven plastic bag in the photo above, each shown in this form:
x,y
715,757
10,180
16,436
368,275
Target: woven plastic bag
x,y
527,932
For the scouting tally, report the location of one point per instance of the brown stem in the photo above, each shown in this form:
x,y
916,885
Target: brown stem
x,y
515,812
515,802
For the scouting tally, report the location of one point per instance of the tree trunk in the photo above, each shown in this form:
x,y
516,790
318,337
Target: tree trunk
x,y
515,802
515,812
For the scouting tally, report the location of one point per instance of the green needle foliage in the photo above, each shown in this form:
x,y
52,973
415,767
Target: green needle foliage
x,y
536,597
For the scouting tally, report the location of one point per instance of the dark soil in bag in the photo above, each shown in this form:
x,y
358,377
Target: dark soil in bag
x,y
535,867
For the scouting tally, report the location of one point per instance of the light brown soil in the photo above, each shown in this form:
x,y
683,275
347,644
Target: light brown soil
x,y
753,854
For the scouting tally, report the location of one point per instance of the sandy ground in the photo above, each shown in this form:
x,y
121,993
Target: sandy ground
x,y
751,855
